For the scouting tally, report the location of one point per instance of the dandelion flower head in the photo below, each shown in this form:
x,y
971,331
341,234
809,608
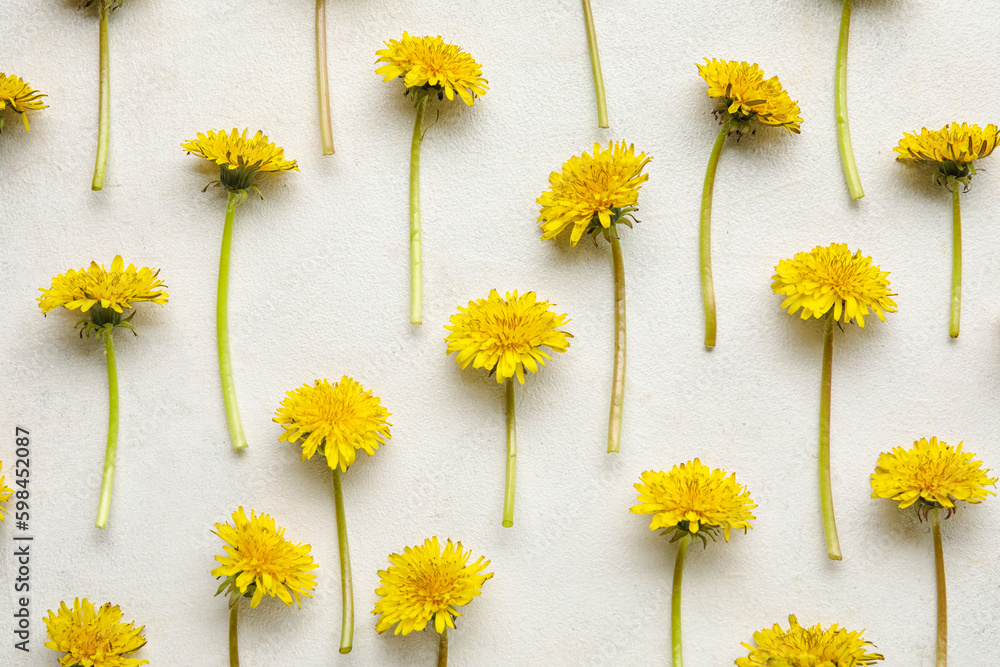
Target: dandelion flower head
x,y
808,647
953,149
19,96
932,473
505,336
240,159
831,277
433,65
425,583
93,638
342,417
744,95
5,492
259,560
592,192
693,498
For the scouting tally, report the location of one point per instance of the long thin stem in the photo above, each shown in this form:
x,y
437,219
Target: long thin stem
x,y
956,262
346,588
942,594
234,644
675,602
108,479
443,649
595,65
618,381
416,262
104,124
843,125
323,80
825,492
705,238
222,329
508,494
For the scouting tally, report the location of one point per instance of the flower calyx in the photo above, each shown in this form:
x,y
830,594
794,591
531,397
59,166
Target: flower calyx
x,y
682,528
229,587
103,321
102,5
239,180
950,174
925,506
624,215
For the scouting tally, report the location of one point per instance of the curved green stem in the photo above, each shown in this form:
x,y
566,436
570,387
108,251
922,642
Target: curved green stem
x,y
843,125
956,262
234,644
942,595
508,494
705,238
675,602
323,80
104,124
443,649
416,262
346,588
825,491
222,329
618,381
595,65
108,478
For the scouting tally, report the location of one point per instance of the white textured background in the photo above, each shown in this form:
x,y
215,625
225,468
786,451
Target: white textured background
x,y
320,289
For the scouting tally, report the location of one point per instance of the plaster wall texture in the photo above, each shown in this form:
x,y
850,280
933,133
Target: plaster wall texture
x,y
320,289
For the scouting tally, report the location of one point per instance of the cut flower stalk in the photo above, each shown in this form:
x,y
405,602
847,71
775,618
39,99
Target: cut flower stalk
x,y
104,113
705,238
108,477
843,124
416,257
825,490
509,485
222,328
323,80
595,65
346,586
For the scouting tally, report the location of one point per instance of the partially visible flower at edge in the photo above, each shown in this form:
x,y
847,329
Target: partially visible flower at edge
x,y
20,97
953,148
5,492
807,647
93,638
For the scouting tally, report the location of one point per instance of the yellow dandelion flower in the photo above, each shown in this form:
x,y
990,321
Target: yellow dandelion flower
x,y
432,64
111,290
808,647
5,492
593,192
239,158
745,95
19,96
504,336
931,472
831,277
953,149
693,498
93,638
342,417
259,560
425,583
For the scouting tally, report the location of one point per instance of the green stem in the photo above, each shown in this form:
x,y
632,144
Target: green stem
x,y
108,478
222,329
347,590
942,595
234,644
508,495
595,65
825,492
705,238
443,649
956,262
323,80
104,125
675,602
416,262
618,380
843,125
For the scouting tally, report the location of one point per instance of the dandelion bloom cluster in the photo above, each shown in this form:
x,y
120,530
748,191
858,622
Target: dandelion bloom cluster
x,y
931,472
693,497
808,647
592,190
19,96
433,63
93,638
505,335
961,143
239,158
5,492
425,583
831,277
116,289
259,560
746,95
343,417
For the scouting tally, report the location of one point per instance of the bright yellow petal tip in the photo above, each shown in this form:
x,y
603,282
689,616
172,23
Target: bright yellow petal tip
x,y
694,498
434,65
953,149
931,472
591,191
341,417
505,335
745,95
239,158
5,492
19,96
425,583
808,647
93,638
259,560
111,290
831,277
